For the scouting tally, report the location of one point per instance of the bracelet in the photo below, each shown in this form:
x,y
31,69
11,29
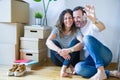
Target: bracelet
x,y
57,50
72,50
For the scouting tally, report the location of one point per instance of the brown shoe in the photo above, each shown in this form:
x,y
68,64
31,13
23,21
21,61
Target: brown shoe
x,y
20,70
12,70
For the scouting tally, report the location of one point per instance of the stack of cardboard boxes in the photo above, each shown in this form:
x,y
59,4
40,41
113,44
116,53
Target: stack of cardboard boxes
x,y
33,45
14,14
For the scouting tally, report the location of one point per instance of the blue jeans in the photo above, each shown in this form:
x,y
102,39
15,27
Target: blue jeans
x,y
59,61
99,55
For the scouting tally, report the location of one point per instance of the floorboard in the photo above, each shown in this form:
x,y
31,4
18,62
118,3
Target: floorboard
x,y
46,72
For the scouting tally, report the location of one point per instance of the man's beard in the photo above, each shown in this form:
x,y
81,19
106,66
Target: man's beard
x,y
80,24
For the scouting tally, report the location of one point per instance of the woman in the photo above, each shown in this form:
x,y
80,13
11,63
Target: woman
x,y
61,42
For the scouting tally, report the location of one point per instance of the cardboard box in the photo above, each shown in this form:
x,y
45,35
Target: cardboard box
x,y
37,32
37,55
14,11
8,53
32,43
11,32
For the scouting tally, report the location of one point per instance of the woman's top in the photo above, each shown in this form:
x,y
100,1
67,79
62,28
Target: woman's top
x,y
66,39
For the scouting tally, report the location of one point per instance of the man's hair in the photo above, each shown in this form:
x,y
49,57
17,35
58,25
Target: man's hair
x,y
79,8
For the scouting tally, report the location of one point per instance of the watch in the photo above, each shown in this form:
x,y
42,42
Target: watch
x,y
96,21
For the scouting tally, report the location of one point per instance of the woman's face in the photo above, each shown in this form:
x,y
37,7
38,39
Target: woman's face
x,y
68,20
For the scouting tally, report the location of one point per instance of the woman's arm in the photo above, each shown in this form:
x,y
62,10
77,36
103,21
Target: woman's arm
x,y
76,47
50,43
52,46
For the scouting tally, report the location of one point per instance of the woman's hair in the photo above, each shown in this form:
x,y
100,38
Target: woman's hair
x,y
60,23
79,8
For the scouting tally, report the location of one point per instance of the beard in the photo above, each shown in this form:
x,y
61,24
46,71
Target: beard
x,y
79,24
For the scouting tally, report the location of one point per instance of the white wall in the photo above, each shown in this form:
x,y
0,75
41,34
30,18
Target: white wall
x,y
107,11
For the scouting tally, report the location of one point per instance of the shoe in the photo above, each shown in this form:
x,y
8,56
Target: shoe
x,y
12,70
20,71
116,73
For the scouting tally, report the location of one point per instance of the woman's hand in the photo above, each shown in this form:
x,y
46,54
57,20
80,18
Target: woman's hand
x,y
67,57
65,53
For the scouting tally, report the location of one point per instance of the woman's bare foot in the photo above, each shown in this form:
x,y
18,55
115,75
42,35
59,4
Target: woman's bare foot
x,y
100,75
63,72
72,69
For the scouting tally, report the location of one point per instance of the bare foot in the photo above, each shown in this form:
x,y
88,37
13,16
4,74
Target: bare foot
x,y
115,73
100,75
74,73
72,69
64,74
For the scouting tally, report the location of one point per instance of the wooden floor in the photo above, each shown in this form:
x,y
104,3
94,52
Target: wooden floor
x,y
46,72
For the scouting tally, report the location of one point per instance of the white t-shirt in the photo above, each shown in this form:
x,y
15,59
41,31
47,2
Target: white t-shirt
x,y
90,29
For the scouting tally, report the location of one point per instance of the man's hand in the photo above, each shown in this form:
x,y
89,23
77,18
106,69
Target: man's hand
x,y
90,12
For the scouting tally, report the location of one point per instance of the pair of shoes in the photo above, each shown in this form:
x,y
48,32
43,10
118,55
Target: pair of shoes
x,y
116,73
17,70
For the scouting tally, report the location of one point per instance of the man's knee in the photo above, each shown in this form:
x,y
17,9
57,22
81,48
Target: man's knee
x,y
88,39
78,68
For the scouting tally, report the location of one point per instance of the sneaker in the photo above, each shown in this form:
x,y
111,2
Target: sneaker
x,y
12,70
20,71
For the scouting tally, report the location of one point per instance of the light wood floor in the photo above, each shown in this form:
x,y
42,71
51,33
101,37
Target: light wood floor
x,y
46,72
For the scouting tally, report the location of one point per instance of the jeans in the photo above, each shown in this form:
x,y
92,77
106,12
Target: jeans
x,y
59,61
99,55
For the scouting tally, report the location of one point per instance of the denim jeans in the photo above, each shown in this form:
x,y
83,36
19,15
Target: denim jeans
x,y
99,55
59,61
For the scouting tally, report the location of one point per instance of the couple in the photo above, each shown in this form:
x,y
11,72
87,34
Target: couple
x,y
66,40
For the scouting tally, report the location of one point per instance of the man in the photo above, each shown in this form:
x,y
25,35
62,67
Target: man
x,y
93,66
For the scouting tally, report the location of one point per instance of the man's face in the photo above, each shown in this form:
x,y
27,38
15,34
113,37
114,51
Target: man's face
x,y
78,17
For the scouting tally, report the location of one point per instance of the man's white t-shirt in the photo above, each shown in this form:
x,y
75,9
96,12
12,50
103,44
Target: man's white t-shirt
x,y
90,29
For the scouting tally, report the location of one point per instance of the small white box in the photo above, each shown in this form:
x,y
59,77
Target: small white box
x,y
15,11
32,43
8,53
11,32
36,55
37,32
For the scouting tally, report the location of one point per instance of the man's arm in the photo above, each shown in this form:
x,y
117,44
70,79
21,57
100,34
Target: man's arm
x,y
99,25
90,13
